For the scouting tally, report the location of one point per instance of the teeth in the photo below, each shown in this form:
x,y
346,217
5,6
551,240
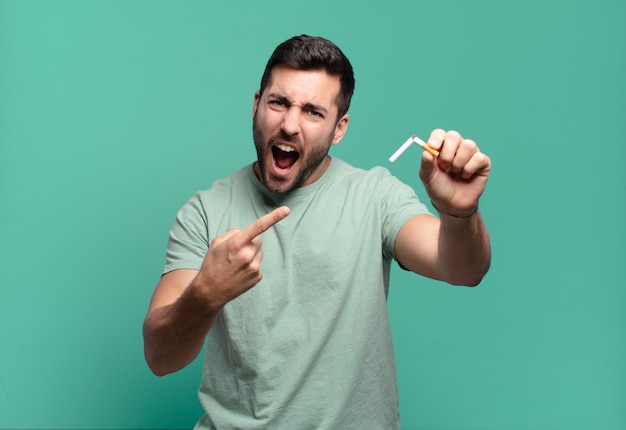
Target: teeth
x,y
285,148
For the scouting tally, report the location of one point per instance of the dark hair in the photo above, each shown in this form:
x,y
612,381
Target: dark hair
x,y
314,53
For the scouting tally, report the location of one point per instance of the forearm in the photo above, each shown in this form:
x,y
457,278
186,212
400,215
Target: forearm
x,y
174,334
464,250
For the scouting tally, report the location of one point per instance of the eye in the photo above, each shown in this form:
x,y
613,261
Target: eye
x,y
315,114
277,104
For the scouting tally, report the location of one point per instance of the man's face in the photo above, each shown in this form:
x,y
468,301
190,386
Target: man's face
x,y
294,125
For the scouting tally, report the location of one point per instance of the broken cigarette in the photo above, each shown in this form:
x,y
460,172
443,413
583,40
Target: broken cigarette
x,y
405,146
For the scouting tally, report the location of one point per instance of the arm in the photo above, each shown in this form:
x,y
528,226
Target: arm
x,y
176,324
186,303
454,248
449,249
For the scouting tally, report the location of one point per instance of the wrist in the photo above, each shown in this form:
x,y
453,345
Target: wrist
x,y
202,297
461,216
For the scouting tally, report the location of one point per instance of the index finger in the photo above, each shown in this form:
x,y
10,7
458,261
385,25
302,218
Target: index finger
x,y
261,225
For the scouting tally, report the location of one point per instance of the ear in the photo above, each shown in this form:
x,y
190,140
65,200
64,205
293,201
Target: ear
x,y
340,129
255,104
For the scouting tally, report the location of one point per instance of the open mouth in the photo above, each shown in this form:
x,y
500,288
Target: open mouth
x,y
284,156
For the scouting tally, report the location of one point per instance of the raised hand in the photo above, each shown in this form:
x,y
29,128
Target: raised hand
x,y
457,178
232,264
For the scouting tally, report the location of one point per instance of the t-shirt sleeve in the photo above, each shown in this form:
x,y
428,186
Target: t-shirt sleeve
x,y
188,239
399,203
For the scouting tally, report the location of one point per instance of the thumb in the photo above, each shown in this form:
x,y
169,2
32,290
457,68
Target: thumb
x,y
428,167
224,237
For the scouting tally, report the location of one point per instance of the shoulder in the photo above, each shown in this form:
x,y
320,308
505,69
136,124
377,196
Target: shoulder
x,y
344,169
374,179
225,187
210,202
236,179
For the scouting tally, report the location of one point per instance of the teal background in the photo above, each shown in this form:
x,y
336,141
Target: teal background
x,y
112,113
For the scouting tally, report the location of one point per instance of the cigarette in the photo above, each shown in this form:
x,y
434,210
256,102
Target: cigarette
x,y
425,146
405,146
400,150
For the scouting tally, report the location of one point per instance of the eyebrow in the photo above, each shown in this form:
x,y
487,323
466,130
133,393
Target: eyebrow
x,y
308,106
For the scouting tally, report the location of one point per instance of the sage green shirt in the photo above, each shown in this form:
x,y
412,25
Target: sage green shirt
x,y
309,347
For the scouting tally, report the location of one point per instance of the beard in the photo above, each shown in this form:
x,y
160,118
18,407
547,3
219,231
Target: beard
x,y
309,162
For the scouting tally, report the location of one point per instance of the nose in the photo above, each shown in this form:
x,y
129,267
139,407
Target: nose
x,y
291,121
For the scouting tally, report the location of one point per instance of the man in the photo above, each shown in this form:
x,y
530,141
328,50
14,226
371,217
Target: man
x,y
296,324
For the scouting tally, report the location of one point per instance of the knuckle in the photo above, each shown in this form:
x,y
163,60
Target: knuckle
x,y
247,258
457,167
467,174
259,227
254,267
233,247
469,143
438,132
453,135
257,278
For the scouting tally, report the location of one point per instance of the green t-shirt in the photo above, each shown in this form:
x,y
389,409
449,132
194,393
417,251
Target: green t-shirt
x,y
309,347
